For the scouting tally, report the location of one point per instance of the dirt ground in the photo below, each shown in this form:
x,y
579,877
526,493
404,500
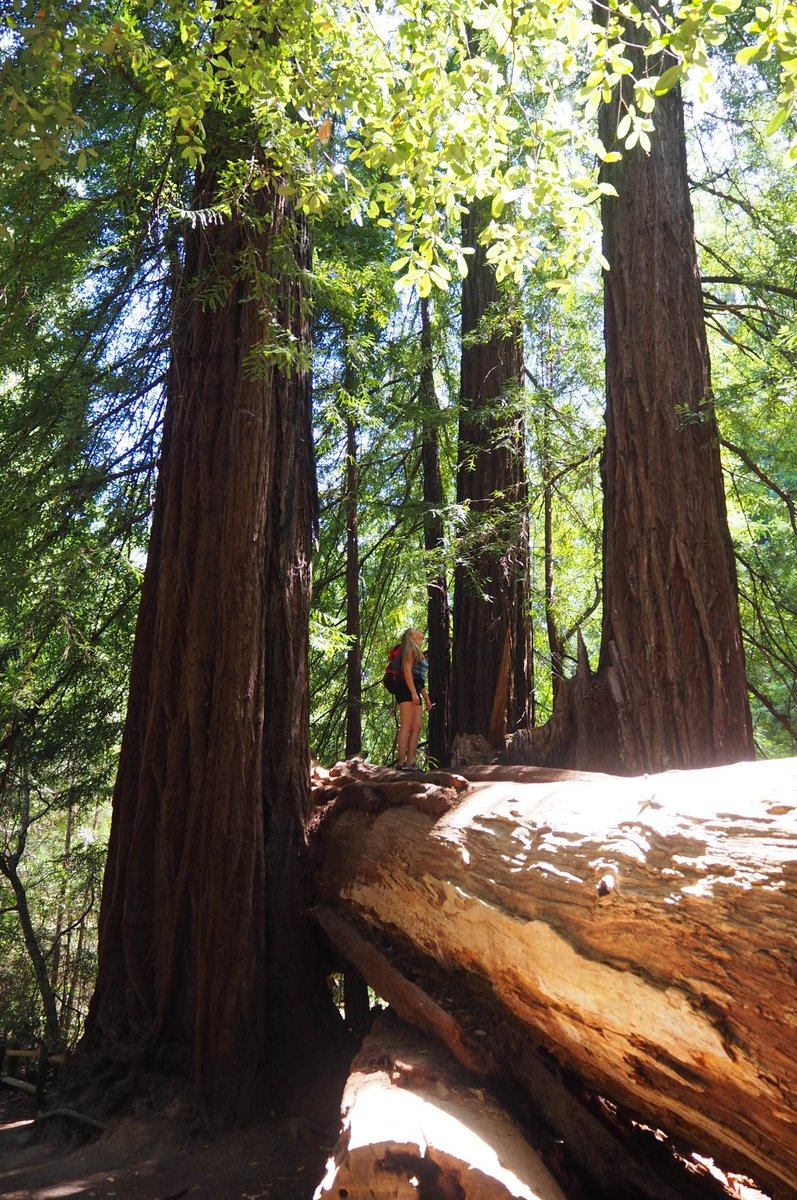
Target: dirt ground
x,y
154,1159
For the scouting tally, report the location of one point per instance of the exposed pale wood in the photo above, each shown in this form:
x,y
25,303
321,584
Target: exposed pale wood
x,y
641,929
412,1124
610,1158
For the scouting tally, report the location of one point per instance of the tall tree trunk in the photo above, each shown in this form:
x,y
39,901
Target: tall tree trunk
x,y
520,707
202,951
9,868
554,640
438,618
491,661
671,649
55,960
670,689
354,727
72,969
38,961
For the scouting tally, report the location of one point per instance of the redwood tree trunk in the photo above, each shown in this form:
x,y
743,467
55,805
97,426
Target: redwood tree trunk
x,y
491,660
438,617
670,690
201,957
671,649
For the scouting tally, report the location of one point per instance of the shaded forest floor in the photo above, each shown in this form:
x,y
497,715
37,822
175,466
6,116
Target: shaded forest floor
x,y
153,1158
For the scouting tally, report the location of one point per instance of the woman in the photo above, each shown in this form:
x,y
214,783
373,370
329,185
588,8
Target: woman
x,y
411,694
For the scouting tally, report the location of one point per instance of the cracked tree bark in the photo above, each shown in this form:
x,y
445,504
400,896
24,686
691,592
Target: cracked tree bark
x,y
670,688
205,967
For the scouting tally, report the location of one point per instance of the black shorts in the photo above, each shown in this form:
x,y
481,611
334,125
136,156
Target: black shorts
x,y
403,694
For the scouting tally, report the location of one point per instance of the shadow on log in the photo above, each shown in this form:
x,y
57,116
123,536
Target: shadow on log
x,y
636,931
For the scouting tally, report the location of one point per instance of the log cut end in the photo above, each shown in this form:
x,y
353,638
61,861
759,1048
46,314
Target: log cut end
x,y
413,1124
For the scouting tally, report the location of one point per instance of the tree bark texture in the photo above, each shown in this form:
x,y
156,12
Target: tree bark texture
x,y
490,685
438,616
200,954
413,1124
671,648
640,930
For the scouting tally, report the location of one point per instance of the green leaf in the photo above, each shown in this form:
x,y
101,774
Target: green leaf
x,y
774,125
645,102
668,80
751,54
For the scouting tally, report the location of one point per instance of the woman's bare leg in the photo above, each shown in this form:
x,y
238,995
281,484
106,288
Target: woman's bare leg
x,y
415,732
406,718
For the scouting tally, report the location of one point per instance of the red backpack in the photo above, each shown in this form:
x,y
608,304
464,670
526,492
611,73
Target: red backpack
x,y
393,672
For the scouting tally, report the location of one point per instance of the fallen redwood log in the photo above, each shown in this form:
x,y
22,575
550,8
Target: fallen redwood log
x,y
594,1151
414,1125
640,930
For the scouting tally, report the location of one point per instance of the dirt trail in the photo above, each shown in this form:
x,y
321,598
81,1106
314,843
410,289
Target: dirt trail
x,y
152,1159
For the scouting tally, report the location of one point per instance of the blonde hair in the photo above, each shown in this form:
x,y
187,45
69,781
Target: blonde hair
x,y
409,648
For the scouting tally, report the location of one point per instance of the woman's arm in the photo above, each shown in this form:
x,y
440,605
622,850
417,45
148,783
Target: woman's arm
x,y
406,670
